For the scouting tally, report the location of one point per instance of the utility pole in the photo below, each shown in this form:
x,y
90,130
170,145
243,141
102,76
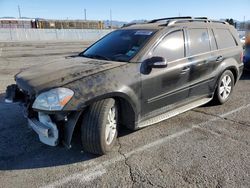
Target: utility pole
x,y
19,11
244,25
85,14
110,19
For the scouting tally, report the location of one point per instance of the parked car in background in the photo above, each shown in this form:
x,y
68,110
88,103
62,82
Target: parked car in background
x,y
242,40
134,77
246,58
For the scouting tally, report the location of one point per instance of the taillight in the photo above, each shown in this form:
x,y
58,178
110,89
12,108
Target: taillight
x,y
241,56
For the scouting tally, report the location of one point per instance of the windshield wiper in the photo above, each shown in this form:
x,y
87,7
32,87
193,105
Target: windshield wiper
x,y
96,56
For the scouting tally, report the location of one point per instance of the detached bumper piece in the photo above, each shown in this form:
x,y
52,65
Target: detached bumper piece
x,y
45,128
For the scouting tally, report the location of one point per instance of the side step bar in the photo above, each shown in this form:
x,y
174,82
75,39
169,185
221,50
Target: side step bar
x,y
174,112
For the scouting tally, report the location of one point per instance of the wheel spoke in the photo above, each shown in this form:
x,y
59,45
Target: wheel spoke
x,y
107,130
228,81
223,81
111,125
224,94
228,89
221,90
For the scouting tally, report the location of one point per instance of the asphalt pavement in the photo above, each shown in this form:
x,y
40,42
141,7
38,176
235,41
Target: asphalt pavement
x,y
206,147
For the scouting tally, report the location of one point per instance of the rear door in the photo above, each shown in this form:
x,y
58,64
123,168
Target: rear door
x,y
202,61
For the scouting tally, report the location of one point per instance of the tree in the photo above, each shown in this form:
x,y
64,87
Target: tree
x,y
230,21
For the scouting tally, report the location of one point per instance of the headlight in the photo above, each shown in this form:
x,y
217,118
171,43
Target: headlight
x,y
53,100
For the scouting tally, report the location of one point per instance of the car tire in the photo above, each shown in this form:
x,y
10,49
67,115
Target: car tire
x,y
99,127
224,87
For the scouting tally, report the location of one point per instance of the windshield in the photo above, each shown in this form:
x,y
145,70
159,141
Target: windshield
x,y
120,45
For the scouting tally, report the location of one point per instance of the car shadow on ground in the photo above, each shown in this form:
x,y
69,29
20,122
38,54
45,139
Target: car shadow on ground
x,y
20,147
245,75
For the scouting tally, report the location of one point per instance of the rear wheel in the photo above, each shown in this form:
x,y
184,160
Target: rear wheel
x,y
224,87
99,127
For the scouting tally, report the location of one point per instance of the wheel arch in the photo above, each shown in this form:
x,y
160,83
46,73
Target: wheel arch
x,y
233,69
128,108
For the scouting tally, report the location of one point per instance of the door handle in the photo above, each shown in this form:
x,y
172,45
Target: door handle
x,y
185,69
219,59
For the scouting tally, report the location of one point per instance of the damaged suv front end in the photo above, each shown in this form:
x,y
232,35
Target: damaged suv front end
x,y
51,94
44,112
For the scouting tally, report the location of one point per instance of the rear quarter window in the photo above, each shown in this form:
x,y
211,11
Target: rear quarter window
x,y
224,38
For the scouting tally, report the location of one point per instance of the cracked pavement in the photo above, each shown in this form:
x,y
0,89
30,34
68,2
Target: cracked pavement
x,y
206,147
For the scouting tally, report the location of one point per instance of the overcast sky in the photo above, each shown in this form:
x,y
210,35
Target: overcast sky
x,y
126,10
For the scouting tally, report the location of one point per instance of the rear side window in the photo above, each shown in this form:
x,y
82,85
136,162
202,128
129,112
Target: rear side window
x,y
198,41
212,40
171,47
224,38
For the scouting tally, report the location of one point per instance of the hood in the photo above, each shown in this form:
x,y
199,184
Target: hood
x,y
60,72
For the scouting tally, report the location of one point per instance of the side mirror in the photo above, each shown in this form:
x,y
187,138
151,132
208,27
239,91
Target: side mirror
x,y
156,62
153,62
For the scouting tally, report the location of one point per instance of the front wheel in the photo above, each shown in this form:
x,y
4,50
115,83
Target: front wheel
x,y
99,127
224,87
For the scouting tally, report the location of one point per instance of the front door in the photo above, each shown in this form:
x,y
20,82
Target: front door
x,y
162,88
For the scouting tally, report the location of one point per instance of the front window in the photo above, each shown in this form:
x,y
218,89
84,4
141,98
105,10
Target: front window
x,y
120,45
171,47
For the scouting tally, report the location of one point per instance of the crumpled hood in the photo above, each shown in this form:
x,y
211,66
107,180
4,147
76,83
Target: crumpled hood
x,y
61,72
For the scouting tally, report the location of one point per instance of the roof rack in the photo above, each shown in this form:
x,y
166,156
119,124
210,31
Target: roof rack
x,y
195,20
173,20
201,18
170,18
218,21
128,24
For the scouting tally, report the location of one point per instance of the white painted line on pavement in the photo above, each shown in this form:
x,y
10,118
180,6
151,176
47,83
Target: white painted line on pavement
x,y
80,177
94,171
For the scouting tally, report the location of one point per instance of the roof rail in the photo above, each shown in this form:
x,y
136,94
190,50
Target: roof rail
x,y
128,24
173,20
170,18
218,21
187,20
201,19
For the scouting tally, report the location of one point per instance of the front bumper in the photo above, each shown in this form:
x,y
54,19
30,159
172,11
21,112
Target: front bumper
x,y
46,124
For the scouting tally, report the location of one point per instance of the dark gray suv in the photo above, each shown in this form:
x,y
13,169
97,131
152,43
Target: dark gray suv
x,y
134,77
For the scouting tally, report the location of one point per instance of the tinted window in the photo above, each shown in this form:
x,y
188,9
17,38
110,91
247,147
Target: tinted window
x,y
120,45
171,47
198,41
224,38
212,40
